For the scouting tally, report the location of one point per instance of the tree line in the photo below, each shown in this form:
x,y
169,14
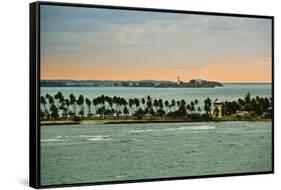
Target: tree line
x,y
59,106
256,106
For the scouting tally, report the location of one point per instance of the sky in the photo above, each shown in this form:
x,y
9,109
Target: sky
x,y
104,44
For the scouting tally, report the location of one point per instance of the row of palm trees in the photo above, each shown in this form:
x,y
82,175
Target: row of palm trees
x,y
58,106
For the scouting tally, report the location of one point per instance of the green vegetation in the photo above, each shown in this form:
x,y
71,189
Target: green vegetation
x,y
250,107
60,108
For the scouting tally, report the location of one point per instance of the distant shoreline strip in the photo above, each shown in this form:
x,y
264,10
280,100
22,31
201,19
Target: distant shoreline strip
x,y
48,123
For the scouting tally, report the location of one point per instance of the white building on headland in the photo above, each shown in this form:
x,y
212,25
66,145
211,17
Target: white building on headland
x,y
178,80
199,80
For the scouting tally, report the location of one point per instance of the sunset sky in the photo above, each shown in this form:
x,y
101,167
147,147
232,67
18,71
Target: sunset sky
x,y
103,44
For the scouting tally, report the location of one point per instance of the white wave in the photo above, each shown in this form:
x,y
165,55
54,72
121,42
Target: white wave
x,y
142,130
203,127
99,138
87,136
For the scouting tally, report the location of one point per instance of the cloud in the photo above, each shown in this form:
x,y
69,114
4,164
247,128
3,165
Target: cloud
x,y
98,37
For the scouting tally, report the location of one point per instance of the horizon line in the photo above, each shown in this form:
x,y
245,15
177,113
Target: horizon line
x,y
148,80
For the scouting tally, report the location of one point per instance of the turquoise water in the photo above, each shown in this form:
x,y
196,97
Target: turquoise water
x,y
100,152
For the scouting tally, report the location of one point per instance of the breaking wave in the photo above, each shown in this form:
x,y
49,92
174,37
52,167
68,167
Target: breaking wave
x,y
203,127
99,138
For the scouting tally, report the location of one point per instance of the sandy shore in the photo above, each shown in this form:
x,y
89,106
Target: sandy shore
x,y
133,121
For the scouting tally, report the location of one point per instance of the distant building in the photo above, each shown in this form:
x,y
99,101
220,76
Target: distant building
x,y
218,109
199,80
178,80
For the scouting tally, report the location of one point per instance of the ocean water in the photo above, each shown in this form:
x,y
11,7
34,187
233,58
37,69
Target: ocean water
x,y
227,92
99,152
111,152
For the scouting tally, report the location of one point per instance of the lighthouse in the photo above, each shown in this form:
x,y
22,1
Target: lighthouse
x,y
178,80
218,109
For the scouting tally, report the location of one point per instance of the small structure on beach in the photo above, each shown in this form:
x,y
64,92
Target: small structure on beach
x,y
218,109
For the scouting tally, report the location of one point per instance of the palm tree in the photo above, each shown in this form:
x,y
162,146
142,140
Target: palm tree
x,y
72,101
58,97
131,103
126,111
183,102
156,104
149,105
143,102
148,98
207,106
101,111
196,102
137,103
178,103
160,102
173,103
247,98
161,112
102,100
267,103
253,104
122,102
80,102
95,103
114,101
43,102
241,102
63,108
61,97
67,103
50,101
110,102
117,101
192,108
42,114
139,113
54,111
88,102
181,112
167,105
188,107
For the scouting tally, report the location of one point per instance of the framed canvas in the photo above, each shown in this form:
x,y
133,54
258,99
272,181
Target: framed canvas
x,y
122,94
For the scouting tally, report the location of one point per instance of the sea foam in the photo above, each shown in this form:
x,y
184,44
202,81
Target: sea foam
x,y
99,138
202,127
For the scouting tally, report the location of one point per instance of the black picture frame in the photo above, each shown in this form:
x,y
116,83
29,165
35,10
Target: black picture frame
x,y
34,117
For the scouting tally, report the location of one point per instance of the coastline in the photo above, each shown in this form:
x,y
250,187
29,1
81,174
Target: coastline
x,y
141,121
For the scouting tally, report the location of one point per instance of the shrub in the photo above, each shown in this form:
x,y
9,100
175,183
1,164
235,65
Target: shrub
x,y
76,118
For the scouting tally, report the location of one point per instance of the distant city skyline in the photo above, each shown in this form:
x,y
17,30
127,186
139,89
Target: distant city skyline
x,y
103,44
